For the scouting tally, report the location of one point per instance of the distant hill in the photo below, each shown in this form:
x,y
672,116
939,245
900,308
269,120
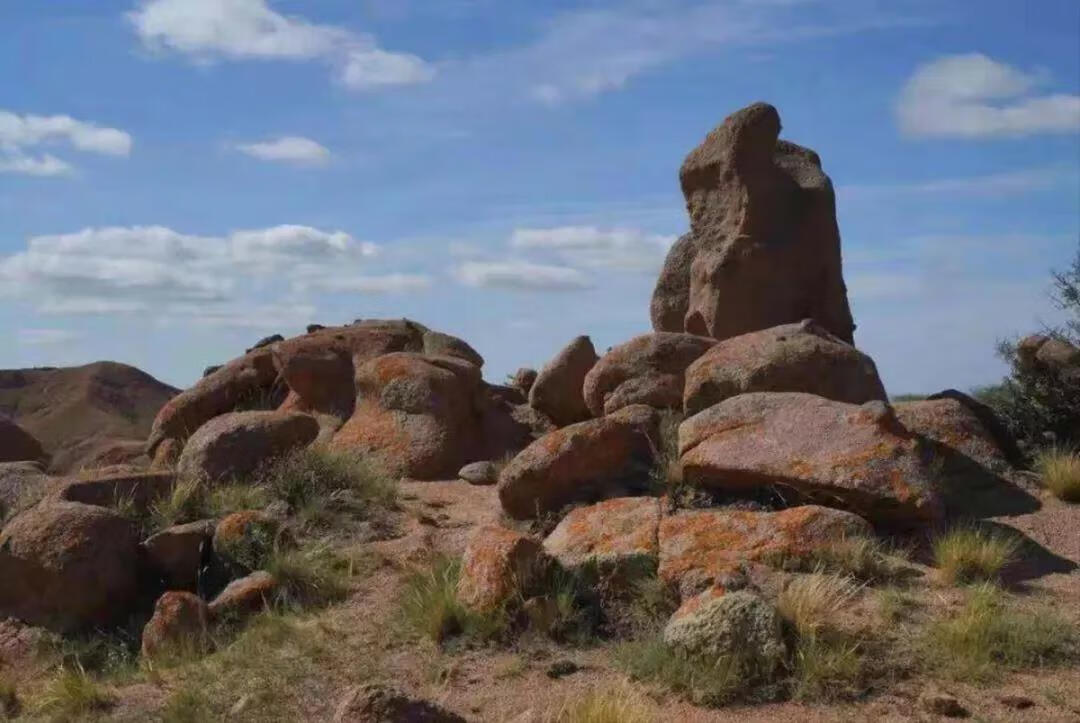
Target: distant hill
x,y
98,412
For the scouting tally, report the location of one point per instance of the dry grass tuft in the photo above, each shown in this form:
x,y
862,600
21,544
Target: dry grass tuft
x,y
71,694
620,705
430,606
703,682
973,554
811,603
1060,473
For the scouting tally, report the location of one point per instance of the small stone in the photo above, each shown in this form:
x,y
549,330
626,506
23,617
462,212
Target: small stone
x,y
560,668
480,473
1016,702
943,704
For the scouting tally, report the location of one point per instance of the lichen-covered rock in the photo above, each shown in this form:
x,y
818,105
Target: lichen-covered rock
x,y
480,473
22,485
123,487
374,703
18,445
718,625
705,548
858,458
594,459
178,553
178,626
235,445
988,418
557,391
67,566
951,424
249,594
497,564
617,536
649,369
802,357
414,414
764,239
244,540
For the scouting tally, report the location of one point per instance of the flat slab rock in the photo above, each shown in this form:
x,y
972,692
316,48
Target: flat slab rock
x,y
614,534
859,458
706,548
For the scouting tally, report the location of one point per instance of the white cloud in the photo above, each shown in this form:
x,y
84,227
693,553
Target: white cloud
x,y
973,96
1007,183
43,337
207,30
20,133
620,249
387,284
288,149
520,275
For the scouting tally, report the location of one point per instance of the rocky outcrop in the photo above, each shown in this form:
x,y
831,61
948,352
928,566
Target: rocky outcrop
x,y
18,445
108,488
617,537
557,391
1049,355
178,553
801,357
649,369
700,549
523,379
22,484
178,626
498,563
988,418
68,566
859,458
952,425
764,238
716,626
235,445
595,459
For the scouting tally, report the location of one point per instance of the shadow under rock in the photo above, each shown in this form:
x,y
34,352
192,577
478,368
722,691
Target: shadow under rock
x,y
1032,560
971,490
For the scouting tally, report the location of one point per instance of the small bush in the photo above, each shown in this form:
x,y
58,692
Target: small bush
x,y
986,636
1060,473
192,499
610,706
703,682
71,694
972,554
812,602
430,606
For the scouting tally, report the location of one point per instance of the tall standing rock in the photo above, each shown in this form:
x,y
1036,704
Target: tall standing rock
x,y
557,391
765,243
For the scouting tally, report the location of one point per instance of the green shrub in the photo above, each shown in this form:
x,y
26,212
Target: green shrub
x,y
703,682
1059,470
430,607
826,668
313,575
973,554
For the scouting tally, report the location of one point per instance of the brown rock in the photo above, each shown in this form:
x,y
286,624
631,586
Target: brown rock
x,y
649,369
801,357
498,563
249,594
942,704
18,445
22,485
594,459
524,378
480,473
557,391
108,489
67,566
373,703
244,540
706,548
1038,352
618,535
177,553
507,424
953,425
1003,438
179,625
765,244
671,298
235,445
415,414
856,457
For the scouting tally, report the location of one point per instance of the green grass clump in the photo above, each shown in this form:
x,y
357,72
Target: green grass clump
x,y
71,694
430,606
973,554
186,705
313,575
862,558
621,705
1060,473
987,636
703,682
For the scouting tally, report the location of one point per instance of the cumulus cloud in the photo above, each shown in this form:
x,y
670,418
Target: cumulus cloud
x,y
46,337
619,249
208,30
523,275
973,96
288,149
19,134
129,269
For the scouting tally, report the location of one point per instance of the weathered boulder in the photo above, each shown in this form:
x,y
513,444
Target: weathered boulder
x,y
764,238
507,424
177,553
498,563
123,487
1039,352
480,473
859,458
22,485
801,357
178,625
594,459
671,298
241,381
712,547
235,445
953,425
414,413
557,391
244,540
374,703
18,445
523,379
718,625
67,566
249,594
990,421
649,369
618,537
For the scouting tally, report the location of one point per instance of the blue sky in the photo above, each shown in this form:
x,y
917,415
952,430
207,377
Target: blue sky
x,y
181,177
